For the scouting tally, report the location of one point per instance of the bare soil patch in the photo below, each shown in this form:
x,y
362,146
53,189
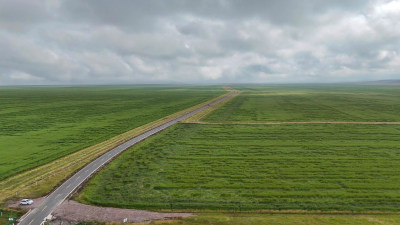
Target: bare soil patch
x,y
74,212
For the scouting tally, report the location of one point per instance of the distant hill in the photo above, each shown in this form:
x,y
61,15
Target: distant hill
x,y
382,82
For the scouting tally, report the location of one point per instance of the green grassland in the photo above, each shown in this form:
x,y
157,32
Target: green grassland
x,y
279,219
288,103
40,124
250,167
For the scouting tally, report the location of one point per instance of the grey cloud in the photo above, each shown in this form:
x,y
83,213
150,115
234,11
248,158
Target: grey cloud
x,y
143,14
19,11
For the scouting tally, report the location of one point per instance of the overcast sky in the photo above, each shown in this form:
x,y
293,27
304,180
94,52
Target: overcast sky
x,y
227,41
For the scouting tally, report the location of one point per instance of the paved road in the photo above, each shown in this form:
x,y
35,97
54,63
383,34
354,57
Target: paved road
x,y
38,215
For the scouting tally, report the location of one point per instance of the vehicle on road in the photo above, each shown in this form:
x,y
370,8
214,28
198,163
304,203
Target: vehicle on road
x,y
26,202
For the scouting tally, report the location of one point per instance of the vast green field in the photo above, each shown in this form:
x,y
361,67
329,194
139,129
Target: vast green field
x,y
247,167
285,103
40,124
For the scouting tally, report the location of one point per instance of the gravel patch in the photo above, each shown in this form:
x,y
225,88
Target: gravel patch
x,y
74,211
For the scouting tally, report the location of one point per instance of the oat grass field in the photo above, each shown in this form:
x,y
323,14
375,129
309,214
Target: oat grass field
x,y
253,167
320,154
295,103
52,107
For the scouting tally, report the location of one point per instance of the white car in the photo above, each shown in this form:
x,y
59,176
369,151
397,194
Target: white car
x,y
26,202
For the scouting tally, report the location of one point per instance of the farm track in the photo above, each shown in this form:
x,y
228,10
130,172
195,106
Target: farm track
x,y
38,215
298,122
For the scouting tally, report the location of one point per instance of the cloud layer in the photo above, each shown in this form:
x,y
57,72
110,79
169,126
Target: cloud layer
x,y
210,41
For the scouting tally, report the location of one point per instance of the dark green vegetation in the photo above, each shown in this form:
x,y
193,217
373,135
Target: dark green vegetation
x,y
279,219
6,214
246,167
311,103
40,124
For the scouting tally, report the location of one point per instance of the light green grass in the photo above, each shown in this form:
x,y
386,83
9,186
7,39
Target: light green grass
x,y
41,124
310,103
283,219
247,167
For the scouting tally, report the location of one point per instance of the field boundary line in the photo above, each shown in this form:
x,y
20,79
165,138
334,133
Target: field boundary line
x,y
285,211
43,179
299,122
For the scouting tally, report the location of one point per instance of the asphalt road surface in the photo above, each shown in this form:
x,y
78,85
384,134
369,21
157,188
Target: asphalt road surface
x,y
38,215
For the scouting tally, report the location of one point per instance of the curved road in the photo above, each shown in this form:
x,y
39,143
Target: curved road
x,y
38,215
